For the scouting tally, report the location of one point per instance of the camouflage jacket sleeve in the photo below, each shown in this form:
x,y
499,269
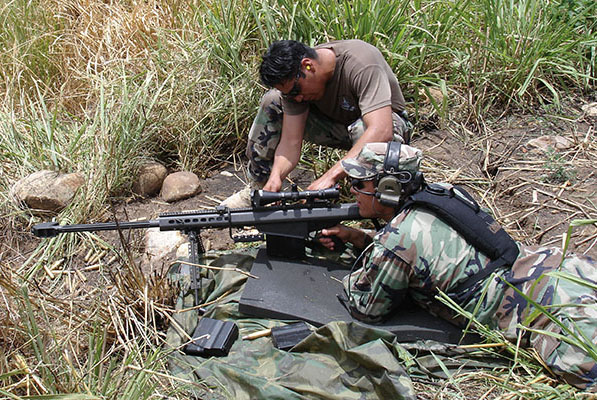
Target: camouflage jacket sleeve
x,y
378,286
417,253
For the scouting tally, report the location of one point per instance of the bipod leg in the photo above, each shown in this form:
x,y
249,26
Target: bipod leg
x,y
195,247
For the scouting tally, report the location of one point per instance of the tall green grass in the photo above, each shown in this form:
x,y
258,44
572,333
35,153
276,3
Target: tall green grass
x,y
532,51
27,35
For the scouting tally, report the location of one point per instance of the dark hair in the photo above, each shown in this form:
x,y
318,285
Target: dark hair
x,y
282,61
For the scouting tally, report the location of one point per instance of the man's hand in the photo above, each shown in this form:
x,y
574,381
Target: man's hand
x,y
360,239
329,179
340,231
273,184
324,182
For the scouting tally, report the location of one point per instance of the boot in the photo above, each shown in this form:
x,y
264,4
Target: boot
x,y
242,198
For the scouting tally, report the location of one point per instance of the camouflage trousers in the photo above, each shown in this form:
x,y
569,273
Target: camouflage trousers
x,y
565,341
512,300
266,130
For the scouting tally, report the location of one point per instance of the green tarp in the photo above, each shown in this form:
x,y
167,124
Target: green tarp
x,y
337,361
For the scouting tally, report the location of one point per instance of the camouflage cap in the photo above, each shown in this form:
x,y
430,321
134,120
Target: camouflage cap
x,y
370,160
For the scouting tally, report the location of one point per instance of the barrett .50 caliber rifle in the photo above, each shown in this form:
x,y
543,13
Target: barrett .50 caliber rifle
x,y
285,226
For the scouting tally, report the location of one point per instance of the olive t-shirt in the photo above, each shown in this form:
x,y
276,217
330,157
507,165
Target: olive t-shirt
x,y
362,82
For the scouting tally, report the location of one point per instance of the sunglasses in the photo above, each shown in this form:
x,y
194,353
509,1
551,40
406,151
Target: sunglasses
x,y
359,185
296,88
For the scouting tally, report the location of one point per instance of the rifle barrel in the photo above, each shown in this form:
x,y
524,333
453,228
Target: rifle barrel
x,y
51,229
197,220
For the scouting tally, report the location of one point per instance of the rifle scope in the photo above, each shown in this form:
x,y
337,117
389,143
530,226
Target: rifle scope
x,y
264,197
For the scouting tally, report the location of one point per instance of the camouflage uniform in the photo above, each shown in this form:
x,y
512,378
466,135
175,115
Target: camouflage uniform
x,y
266,130
418,254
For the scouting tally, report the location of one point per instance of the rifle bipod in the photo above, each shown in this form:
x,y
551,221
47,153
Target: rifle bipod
x,y
195,247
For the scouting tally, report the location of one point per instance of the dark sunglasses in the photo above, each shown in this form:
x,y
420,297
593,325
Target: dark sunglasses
x,y
359,185
296,88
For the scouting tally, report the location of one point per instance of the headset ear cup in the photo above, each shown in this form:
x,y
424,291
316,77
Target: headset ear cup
x,y
388,191
389,185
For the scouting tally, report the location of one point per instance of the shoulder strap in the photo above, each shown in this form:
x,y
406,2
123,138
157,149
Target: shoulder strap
x,y
458,209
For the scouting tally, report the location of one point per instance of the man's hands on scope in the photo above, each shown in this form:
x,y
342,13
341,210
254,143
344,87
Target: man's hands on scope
x,y
273,184
324,182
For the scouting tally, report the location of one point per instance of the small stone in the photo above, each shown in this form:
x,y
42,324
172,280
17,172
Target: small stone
x,y
435,93
590,109
555,142
159,248
179,186
150,179
47,190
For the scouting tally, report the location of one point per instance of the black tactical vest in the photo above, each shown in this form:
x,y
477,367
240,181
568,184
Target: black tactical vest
x,y
458,209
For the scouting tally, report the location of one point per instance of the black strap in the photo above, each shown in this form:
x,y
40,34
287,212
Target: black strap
x,y
376,224
460,293
458,209
391,163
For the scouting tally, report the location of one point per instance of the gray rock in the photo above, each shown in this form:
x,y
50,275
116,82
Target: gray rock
x,y
590,109
160,248
180,185
546,142
47,190
150,178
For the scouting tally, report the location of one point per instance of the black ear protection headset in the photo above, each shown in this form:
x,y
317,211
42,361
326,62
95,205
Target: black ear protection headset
x,y
392,182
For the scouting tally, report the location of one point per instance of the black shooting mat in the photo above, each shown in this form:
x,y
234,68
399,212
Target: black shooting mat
x,y
306,290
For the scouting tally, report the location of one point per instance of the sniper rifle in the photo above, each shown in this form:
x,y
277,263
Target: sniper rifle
x,y
284,226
